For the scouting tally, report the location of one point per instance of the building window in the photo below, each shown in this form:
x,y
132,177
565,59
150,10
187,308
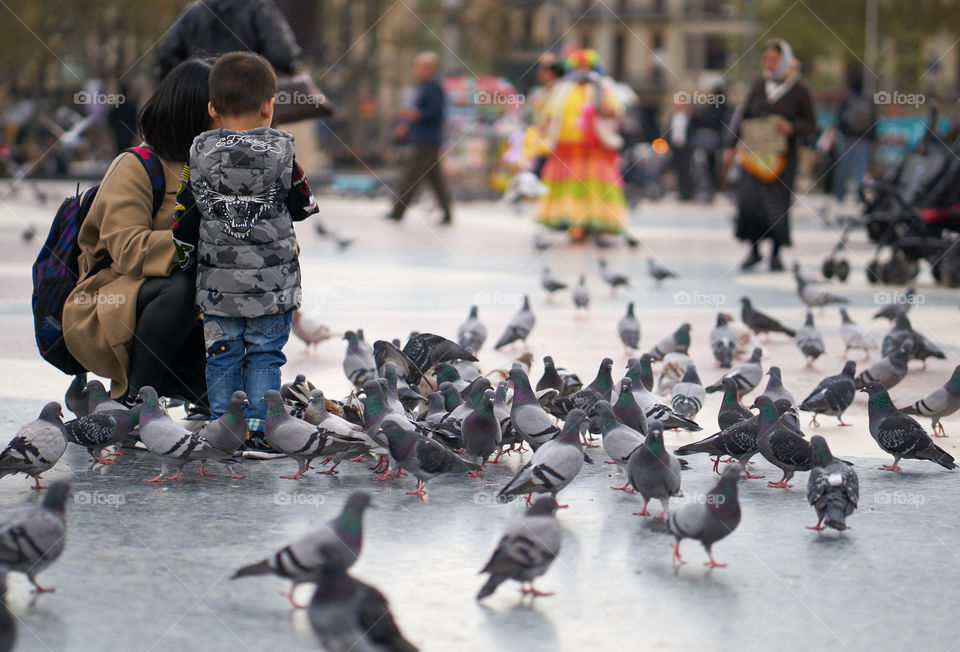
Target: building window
x,y
715,53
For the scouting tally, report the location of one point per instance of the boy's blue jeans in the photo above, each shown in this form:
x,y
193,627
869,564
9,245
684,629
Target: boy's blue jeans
x,y
244,353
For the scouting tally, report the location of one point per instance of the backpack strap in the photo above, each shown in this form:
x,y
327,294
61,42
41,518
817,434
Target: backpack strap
x,y
158,185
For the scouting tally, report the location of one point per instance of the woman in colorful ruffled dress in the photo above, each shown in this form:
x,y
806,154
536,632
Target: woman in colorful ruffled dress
x,y
582,172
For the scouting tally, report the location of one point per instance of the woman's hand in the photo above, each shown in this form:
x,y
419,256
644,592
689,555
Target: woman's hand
x,y
728,155
785,127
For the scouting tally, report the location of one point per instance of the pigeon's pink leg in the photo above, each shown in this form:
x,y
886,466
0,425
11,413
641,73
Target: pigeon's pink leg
x,y
533,592
40,589
376,468
816,527
358,458
529,499
780,484
626,487
235,476
713,563
159,478
750,476
421,490
676,554
476,473
294,602
101,460
716,465
205,474
643,512
941,432
36,481
891,467
331,471
176,476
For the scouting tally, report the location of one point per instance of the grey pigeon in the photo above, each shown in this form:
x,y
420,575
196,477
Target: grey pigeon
x,y
940,403
759,322
362,343
738,441
351,616
723,342
812,294
855,336
888,370
401,397
358,364
731,410
171,442
525,551
688,395
337,543
628,329
77,398
902,332
619,441
298,439
426,350
518,330
658,272
902,305
636,369
32,538
711,519
553,465
332,425
422,457
809,340
775,389
627,410
600,389
832,395
308,329
612,278
676,342
581,296
898,434
436,411
37,446
833,488
653,471
528,418
780,444
98,430
472,333
746,374
99,398
229,432
481,430
551,377
447,373
551,283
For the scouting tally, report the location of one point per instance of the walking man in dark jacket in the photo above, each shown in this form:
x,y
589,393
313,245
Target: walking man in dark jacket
x,y
422,127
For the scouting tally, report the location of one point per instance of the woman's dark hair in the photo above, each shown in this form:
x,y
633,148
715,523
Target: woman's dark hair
x,y
177,111
773,44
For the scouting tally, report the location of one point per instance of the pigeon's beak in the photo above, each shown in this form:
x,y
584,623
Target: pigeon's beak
x,y
862,389
754,406
246,403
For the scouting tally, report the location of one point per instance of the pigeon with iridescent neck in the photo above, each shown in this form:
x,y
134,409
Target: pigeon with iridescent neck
x,y
731,410
940,403
229,432
898,434
711,519
337,543
627,410
553,465
600,389
653,471
833,488
775,389
676,342
902,331
332,425
77,398
424,458
780,444
528,418
99,398
481,430
832,395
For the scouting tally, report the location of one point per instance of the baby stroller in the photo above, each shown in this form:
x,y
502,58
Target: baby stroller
x,y
912,215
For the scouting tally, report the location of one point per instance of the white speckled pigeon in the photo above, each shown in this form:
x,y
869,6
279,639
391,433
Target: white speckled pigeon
x,y
833,488
832,395
98,430
37,446
528,547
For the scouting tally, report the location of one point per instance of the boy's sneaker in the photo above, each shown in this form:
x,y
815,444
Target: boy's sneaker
x,y
256,447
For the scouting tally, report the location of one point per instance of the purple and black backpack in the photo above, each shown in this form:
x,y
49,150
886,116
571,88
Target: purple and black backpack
x,y
56,270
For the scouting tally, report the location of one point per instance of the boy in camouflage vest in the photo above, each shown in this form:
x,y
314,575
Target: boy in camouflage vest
x,y
238,200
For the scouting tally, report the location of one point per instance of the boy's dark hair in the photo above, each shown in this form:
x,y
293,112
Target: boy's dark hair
x,y
240,82
177,111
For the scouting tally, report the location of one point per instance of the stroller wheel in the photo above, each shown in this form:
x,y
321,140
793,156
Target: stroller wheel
x,y
827,268
873,272
842,270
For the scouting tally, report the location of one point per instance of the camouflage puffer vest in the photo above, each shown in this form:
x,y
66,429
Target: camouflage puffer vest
x,y
247,251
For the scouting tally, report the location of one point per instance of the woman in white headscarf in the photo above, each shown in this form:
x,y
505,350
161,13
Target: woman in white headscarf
x,y
765,191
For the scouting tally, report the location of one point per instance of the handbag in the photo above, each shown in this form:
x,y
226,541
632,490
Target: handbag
x,y
299,98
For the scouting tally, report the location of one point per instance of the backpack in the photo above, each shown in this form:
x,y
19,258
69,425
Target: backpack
x,y
859,115
56,270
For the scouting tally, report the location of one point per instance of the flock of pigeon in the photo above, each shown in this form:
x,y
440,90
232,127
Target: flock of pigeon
x,y
427,409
